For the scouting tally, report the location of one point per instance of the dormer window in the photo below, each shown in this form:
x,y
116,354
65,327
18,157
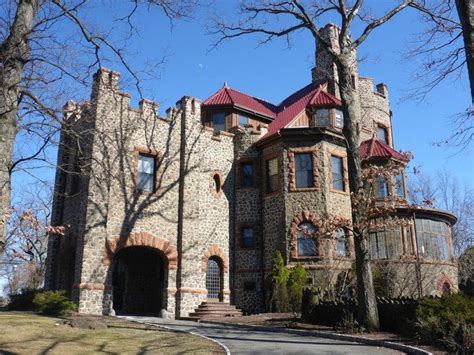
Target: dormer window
x,y
218,122
243,120
322,117
329,117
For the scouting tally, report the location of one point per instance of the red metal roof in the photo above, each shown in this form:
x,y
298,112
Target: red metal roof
x,y
228,96
296,103
376,149
282,114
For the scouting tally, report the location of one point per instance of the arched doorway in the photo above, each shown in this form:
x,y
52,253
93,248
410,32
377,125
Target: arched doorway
x,y
214,279
138,281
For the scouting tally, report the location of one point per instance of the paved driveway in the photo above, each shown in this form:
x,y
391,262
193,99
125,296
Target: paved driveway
x,y
251,341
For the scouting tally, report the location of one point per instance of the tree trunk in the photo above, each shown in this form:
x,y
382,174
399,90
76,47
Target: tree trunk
x,y
465,10
367,303
14,53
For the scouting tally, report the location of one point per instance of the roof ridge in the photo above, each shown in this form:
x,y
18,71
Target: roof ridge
x,y
253,97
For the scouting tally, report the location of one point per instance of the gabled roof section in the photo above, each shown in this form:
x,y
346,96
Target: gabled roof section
x,y
296,103
227,96
376,149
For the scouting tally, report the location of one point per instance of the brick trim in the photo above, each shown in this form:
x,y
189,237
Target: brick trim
x,y
305,216
215,250
441,281
345,172
195,291
114,245
292,168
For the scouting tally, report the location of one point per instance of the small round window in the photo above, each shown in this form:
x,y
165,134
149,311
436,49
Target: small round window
x,y
216,183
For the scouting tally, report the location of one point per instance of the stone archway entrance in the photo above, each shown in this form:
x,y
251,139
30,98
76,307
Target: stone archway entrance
x,y
214,279
138,280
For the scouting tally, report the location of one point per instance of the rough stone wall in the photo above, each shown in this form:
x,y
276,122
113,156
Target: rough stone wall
x,y
375,109
114,209
316,205
247,281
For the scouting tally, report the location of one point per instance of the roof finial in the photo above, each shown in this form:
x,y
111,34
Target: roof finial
x,y
225,84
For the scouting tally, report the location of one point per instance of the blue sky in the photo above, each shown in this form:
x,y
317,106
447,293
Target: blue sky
x,y
273,71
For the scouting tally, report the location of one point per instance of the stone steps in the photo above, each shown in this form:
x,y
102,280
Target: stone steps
x,y
209,309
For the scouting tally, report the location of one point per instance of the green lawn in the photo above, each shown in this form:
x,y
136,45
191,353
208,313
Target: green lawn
x,y
28,333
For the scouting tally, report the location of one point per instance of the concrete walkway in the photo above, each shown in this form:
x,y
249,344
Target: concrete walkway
x,y
251,341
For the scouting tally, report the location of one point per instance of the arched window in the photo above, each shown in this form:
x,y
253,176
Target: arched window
x,y
341,242
446,289
306,239
216,183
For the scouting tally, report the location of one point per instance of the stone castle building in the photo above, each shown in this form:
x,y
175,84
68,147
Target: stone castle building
x,y
165,212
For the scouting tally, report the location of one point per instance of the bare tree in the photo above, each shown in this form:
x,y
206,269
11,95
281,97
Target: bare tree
x,y
444,48
47,48
272,19
23,262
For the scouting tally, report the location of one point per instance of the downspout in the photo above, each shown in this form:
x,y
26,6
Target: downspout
x,y
417,255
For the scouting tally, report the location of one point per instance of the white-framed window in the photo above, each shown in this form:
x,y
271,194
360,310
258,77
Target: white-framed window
x,y
146,173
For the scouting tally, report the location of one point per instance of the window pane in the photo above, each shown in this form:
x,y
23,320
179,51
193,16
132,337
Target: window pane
x,y
382,187
432,238
304,170
146,173
145,182
272,175
246,174
382,134
322,117
146,164
247,237
243,120
337,173
341,242
398,181
218,121
306,243
373,246
339,119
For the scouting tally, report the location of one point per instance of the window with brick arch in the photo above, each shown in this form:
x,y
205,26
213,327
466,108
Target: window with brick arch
x,y
306,239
